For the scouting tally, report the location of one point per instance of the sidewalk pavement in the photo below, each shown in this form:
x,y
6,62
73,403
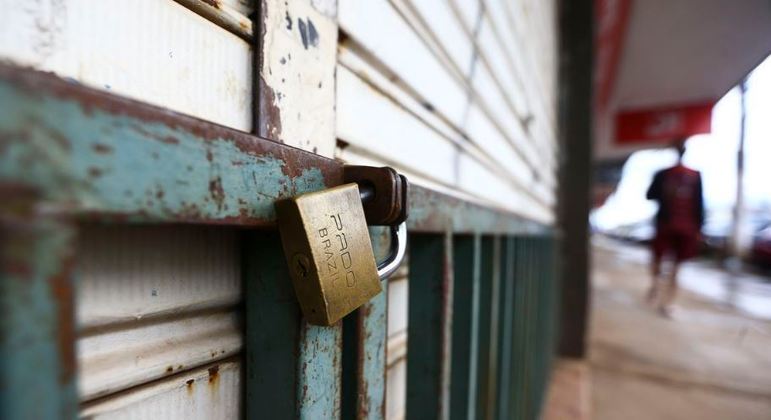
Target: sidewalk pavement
x,y
711,360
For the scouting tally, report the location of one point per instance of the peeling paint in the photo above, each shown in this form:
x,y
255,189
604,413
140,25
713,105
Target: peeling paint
x,y
37,304
297,52
79,173
270,112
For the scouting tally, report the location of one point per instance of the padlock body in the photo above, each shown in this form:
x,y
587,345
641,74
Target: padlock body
x,y
327,247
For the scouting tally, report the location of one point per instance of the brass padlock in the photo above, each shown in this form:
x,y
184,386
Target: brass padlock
x,y
327,246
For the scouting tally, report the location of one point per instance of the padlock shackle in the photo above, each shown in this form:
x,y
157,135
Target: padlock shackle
x,y
398,249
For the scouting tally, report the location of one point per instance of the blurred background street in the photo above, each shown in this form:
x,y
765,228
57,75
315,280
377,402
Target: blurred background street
x,y
709,361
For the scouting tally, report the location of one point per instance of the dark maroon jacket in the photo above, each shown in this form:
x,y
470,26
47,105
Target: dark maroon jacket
x,y
679,194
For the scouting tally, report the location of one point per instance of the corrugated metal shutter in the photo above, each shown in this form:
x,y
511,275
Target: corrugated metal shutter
x,y
155,303
458,95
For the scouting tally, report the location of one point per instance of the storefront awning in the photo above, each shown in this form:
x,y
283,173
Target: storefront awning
x,y
662,64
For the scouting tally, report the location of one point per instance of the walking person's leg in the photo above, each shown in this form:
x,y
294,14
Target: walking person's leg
x,y
670,289
684,246
655,275
658,246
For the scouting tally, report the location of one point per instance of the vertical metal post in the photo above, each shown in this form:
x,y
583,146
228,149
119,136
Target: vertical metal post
x,y
37,320
521,319
506,328
429,328
465,333
365,339
486,269
575,138
292,368
493,367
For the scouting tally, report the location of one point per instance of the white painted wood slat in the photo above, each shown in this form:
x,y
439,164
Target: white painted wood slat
x,y
155,51
154,301
376,26
213,391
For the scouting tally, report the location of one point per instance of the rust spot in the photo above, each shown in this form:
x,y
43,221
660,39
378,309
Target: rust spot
x,y
61,286
159,194
193,132
102,149
342,37
95,172
209,156
213,3
56,136
269,120
169,369
163,139
214,374
216,191
190,383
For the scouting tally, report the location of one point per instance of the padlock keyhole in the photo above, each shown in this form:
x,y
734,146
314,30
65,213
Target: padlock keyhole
x,y
301,265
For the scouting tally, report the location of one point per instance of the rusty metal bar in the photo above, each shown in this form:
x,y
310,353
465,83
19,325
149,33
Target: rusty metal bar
x,y
495,326
97,156
429,327
485,322
465,322
435,212
37,322
447,293
506,323
292,368
364,349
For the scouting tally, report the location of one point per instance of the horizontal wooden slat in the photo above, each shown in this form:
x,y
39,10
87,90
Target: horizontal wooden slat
x,y
428,20
394,129
155,51
396,391
211,392
436,26
114,360
531,49
134,273
389,40
230,15
153,301
488,97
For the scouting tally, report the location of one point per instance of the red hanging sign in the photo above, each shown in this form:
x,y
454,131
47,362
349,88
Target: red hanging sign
x,y
663,124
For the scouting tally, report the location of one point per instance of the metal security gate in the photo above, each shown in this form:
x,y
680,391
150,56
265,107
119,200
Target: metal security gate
x,y
481,294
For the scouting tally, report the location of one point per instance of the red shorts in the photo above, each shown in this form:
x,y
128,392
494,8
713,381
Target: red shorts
x,y
682,245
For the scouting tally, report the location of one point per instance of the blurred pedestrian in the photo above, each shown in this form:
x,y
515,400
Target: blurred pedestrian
x,y
679,220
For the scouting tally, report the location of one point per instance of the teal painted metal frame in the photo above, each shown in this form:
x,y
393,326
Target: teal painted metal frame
x,y
70,154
